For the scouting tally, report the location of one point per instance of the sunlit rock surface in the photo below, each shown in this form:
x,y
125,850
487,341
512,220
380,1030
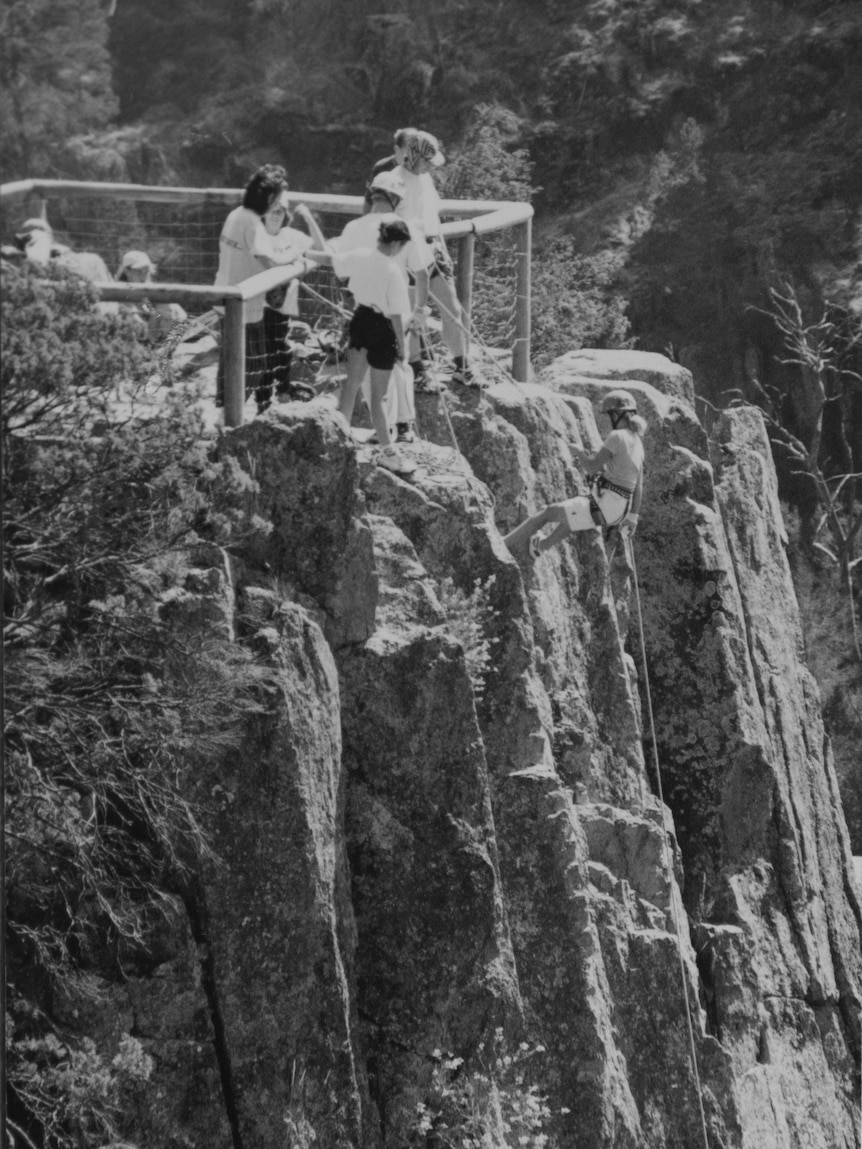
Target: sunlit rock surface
x,y
443,831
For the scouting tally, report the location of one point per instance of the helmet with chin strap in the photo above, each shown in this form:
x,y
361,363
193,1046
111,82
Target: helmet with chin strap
x,y
618,403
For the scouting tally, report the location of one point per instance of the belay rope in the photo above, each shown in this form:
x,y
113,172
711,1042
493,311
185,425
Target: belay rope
x,y
629,545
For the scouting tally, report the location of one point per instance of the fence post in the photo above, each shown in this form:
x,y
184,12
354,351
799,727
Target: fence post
x,y
521,349
466,248
233,354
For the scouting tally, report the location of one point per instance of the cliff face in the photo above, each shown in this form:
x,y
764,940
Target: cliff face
x,y
442,837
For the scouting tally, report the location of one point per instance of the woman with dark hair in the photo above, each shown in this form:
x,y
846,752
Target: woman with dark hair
x,y
615,496
378,327
245,249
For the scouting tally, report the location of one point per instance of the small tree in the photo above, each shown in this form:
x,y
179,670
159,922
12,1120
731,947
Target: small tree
x,y
823,350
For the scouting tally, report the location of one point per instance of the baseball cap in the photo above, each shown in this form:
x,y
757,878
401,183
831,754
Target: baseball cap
x,y
389,182
135,261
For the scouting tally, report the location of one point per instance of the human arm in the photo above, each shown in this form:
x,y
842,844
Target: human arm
x,y
421,310
629,524
397,321
592,463
324,258
304,213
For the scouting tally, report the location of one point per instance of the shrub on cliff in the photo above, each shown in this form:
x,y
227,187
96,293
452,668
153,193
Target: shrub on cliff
x,y
106,704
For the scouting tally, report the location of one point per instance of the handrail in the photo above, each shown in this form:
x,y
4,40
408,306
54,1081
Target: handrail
x,y
164,292
471,218
494,213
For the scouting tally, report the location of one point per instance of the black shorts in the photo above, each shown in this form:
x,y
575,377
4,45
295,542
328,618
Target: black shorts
x,y
371,331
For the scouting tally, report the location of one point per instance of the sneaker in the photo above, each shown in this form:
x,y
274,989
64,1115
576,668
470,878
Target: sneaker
x,y
423,380
465,377
295,390
404,433
392,460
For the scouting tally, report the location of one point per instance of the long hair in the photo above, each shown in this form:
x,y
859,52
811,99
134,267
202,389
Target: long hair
x,y
267,183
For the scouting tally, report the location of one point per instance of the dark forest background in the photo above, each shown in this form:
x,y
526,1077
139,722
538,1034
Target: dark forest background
x,y
696,170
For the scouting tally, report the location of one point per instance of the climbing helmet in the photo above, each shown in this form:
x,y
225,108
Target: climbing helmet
x,y
617,402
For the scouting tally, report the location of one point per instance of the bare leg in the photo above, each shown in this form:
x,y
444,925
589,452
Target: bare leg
x,y
522,534
560,532
379,384
443,291
357,363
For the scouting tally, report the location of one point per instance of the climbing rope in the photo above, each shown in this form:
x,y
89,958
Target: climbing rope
x,y
629,545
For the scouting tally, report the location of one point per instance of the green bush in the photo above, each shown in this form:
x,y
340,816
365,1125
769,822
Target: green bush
x,y
575,303
109,703
492,1104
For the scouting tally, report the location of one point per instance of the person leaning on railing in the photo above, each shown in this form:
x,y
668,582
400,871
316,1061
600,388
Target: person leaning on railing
x,y
282,303
415,154
245,249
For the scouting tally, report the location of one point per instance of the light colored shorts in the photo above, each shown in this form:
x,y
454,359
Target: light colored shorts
x,y
579,516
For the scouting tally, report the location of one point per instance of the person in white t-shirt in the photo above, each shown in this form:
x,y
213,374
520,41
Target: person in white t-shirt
x,y
415,154
281,305
245,249
378,327
415,259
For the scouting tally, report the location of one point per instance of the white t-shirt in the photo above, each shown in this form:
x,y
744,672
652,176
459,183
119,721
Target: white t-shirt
x,y
375,280
421,203
290,244
627,451
364,231
242,240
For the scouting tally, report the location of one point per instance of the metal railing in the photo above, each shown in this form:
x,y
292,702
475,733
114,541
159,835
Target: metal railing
x,y
470,220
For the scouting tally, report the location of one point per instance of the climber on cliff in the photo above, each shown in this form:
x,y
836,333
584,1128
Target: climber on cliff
x,y
616,488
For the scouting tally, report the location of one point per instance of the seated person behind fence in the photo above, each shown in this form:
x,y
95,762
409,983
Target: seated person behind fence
x,y
415,260
282,303
415,154
245,249
35,239
378,327
617,488
159,318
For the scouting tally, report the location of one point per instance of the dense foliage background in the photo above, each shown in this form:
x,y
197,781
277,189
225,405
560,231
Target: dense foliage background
x,y
697,176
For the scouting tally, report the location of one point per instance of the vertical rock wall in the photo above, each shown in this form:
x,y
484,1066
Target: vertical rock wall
x,y
425,852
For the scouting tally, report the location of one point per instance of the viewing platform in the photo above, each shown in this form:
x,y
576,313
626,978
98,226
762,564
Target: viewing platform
x,y
178,227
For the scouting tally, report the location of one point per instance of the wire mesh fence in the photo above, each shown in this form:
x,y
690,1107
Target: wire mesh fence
x,y
179,230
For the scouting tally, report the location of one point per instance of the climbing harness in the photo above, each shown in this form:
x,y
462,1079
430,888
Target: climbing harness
x,y
601,483
629,545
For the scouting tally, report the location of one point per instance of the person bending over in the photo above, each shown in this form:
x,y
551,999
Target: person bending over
x,y
378,327
617,487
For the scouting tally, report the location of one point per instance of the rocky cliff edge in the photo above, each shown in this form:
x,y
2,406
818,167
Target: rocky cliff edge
x,y
446,887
